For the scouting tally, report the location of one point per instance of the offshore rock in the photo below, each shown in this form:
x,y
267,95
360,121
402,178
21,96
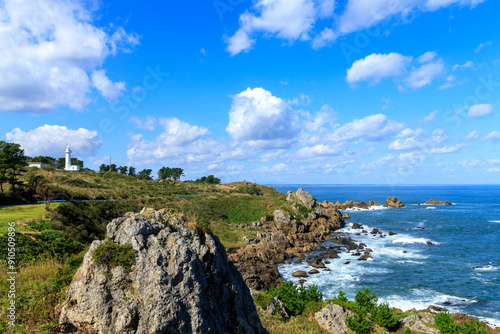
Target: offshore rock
x,y
393,202
181,282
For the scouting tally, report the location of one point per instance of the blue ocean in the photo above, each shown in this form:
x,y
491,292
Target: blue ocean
x,y
460,271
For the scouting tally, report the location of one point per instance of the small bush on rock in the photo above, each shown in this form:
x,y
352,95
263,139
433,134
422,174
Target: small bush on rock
x,y
358,324
115,255
296,298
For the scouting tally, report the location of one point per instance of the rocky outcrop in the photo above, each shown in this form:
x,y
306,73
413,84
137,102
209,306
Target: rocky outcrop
x,y
301,196
181,282
349,205
436,201
332,318
284,239
393,202
420,323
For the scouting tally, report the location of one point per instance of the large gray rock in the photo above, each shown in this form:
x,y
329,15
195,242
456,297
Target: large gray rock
x,y
332,318
303,197
181,282
420,323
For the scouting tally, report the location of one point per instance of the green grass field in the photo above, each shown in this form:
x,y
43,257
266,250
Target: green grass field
x,y
18,213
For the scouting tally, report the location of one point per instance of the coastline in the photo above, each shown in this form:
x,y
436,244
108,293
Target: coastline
x,y
429,296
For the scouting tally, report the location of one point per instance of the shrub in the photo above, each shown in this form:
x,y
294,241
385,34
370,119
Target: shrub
x,y
114,255
65,274
382,316
296,298
263,299
407,331
358,324
366,302
447,325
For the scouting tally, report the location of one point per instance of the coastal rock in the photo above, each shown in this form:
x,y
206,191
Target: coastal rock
x,y
285,239
332,318
300,273
418,323
346,216
393,202
435,201
302,197
348,205
181,282
313,271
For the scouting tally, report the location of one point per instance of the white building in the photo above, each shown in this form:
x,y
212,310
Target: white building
x,y
38,164
67,165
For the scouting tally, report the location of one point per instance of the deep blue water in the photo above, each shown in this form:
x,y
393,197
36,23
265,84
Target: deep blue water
x,y
405,270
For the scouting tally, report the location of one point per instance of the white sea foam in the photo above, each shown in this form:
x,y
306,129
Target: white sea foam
x,y
494,221
487,268
371,208
423,298
411,240
431,207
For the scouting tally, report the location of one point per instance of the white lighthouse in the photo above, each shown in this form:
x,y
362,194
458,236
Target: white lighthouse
x,y
67,164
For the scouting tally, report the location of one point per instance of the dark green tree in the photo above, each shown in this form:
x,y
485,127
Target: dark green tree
x,y
131,171
43,159
12,163
208,179
113,168
145,174
103,168
170,173
123,170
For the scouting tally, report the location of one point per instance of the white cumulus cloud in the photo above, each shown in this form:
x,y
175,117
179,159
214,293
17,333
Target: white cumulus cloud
x,y
257,115
493,136
480,110
51,140
49,48
109,90
376,67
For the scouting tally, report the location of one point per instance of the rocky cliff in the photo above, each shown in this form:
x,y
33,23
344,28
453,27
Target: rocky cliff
x,y
180,282
286,237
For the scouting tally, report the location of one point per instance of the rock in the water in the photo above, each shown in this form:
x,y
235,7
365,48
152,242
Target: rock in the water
x,y
436,201
357,226
346,216
417,323
313,271
181,282
300,273
364,257
393,202
332,318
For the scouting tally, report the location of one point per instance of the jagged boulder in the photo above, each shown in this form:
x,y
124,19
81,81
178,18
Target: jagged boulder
x,y
180,282
301,196
332,318
420,323
393,202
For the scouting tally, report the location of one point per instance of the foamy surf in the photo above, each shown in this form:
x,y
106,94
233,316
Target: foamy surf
x,y
494,221
431,208
486,268
411,240
371,208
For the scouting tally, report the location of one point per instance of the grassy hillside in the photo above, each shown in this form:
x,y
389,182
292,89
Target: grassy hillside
x,y
50,244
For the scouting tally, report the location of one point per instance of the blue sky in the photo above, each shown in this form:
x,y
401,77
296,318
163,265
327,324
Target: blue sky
x,y
296,91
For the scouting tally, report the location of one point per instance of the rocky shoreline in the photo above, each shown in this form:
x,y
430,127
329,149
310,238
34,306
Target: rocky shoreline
x,y
288,237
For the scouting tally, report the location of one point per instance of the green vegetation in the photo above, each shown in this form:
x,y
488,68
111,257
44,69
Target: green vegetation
x,y
12,164
208,180
170,173
296,298
22,214
447,325
114,255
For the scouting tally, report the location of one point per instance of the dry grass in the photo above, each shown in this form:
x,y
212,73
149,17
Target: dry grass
x,y
35,300
295,325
